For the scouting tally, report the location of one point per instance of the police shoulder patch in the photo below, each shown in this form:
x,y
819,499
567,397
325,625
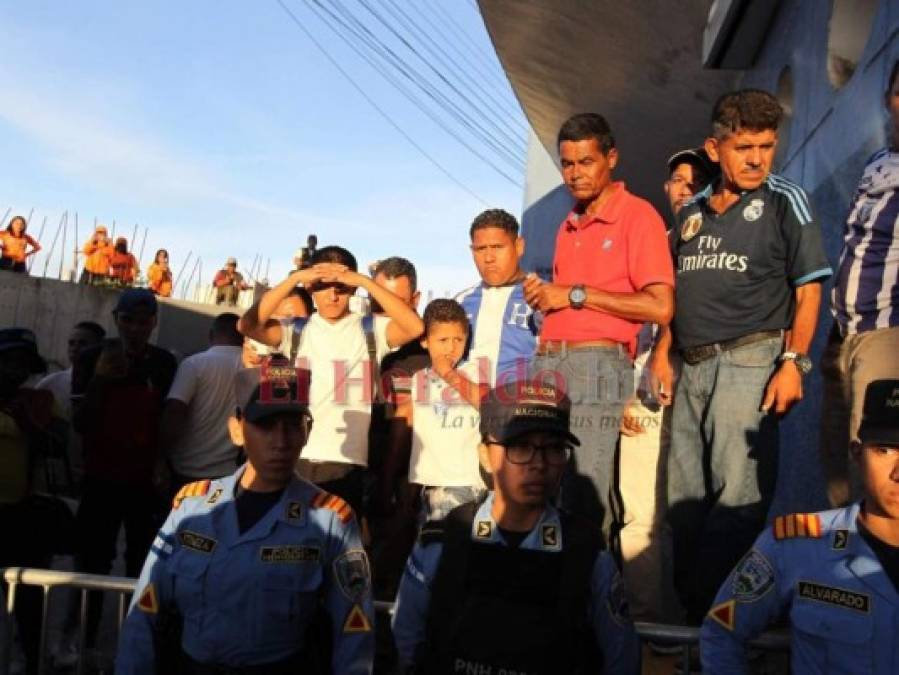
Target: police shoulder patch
x,y
353,575
148,602
356,621
483,529
724,614
840,540
797,525
753,577
325,500
196,489
549,536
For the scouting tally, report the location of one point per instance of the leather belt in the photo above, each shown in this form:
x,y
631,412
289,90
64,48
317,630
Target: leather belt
x,y
694,355
286,667
557,347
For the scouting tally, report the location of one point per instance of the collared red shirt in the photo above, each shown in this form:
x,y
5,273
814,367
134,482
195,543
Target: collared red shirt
x,y
622,248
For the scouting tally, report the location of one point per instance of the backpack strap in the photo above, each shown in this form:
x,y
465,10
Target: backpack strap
x,y
368,329
290,343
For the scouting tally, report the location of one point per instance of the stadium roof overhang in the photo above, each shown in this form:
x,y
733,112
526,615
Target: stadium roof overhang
x,y
637,63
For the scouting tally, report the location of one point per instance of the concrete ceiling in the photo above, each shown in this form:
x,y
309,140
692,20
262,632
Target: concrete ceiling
x,y
637,63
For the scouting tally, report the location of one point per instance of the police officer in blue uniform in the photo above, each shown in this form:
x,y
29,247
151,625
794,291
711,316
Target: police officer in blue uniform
x,y
249,564
836,573
513,585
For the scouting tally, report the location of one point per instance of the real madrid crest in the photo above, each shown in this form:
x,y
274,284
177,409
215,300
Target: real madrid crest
x,y
754,209
691,227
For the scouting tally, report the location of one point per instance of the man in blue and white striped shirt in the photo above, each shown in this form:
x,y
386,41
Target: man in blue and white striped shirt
x,y
503,327
864,342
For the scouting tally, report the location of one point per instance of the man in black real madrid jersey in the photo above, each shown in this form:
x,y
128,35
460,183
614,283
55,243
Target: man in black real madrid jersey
x,y
749,264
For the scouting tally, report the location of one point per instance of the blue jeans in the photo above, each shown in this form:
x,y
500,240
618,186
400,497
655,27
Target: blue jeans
x,y
599,381
722,467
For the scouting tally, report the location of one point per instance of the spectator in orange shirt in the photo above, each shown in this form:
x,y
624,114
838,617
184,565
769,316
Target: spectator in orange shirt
x,y
159,275
99,252
123,264
15,246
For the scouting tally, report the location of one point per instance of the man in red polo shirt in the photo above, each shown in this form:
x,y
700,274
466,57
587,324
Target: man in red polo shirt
x,y
611,273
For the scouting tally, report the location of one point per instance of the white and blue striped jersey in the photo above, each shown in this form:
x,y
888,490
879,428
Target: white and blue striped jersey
x,y
865,295
504,329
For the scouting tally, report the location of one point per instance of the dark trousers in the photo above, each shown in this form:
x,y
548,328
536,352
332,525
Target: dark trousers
x,y
12,265
105,507
25,543
226,294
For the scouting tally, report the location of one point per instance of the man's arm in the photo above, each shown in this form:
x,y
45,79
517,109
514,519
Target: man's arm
x,y
611,620
348,600
141,643
405,325
413,601
660,368
735,619
257,322
654,303
785,387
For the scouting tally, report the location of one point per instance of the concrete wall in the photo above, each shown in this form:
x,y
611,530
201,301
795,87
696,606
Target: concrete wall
x,y
50,308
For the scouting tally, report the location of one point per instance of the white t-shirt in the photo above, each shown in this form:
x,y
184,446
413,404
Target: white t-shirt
x,y
205,383
340,392
445,432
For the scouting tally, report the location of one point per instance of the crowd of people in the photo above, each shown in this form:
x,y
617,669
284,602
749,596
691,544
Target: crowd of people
x,y
525,469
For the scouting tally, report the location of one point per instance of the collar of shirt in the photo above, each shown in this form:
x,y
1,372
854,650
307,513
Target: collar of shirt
x,y
609,212
546,535
857,556
292,509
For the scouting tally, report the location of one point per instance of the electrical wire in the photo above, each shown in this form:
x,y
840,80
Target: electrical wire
x,y
378,108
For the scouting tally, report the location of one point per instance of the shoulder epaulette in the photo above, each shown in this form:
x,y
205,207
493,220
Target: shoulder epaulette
x,y
432,532
196,489
325,500
797,525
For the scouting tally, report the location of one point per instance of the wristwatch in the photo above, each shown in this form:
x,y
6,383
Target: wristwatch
x,y
802,361
577,296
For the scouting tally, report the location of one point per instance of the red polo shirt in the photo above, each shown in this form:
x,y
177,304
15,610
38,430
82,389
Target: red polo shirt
x,y
622,248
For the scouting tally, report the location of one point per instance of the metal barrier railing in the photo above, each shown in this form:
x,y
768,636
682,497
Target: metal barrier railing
x,y
683,637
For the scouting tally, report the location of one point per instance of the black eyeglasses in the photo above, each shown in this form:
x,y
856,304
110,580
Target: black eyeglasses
x,y
524,453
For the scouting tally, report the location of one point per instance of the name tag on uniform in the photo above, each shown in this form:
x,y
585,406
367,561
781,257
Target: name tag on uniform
x,y
196,542
289,554
860,602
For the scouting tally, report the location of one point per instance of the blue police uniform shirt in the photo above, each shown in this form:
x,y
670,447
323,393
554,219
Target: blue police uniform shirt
x,y
504,329
843,608
614,631
247,599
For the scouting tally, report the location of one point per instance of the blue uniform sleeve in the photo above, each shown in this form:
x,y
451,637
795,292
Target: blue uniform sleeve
x,y
752,596
153,595
611,620
348,600
412,602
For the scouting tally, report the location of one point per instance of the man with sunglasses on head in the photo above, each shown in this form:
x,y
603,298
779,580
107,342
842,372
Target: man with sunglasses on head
x,y
341,349
513,584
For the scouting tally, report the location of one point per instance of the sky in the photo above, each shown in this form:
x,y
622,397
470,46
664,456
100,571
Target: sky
x,y
223,130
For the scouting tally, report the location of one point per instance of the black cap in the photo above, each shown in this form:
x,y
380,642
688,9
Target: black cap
x,y
517,408
270,390
696,156
880,417
135,300
22,338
